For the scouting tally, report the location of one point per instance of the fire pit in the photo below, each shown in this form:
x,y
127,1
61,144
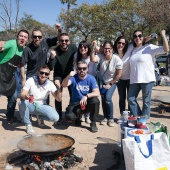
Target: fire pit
x,y
47,152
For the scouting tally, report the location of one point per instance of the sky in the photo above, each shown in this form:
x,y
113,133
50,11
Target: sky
x,y
46,11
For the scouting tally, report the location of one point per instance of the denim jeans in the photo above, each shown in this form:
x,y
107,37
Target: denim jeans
x,y
134,90
12,100
45,112
107,104
123,88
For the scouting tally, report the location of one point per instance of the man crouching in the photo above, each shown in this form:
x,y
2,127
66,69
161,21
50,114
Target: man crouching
x,y
34,96
85,95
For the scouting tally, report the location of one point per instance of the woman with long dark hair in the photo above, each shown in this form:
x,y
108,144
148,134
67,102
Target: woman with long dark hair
x,y
142,74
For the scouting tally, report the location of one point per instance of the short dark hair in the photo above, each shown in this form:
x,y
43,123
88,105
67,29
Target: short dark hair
x,y
63,34
125,47
108,42
44,67
25,31
36,29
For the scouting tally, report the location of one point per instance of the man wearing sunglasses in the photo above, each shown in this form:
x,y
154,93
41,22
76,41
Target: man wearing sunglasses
x,y
85,93
63,64
39,86
36,53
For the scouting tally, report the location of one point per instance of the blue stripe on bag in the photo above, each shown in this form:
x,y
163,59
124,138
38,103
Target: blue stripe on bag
x,y
149,145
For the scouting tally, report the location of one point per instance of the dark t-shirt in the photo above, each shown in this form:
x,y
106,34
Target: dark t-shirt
x,y
64,62
35,57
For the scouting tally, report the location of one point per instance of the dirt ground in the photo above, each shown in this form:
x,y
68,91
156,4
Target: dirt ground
x,y
95,148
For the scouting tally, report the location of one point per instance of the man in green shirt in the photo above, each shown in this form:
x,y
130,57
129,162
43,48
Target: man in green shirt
x,y
10,57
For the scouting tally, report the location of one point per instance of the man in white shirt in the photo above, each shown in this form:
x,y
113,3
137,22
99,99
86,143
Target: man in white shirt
x,y
39,86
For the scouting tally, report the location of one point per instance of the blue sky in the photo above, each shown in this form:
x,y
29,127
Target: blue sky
x,y
46,11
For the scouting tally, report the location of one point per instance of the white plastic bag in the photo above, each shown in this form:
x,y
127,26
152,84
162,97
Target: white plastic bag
x,y
147,152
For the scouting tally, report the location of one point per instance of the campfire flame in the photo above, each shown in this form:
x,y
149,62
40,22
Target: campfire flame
x,y
37,158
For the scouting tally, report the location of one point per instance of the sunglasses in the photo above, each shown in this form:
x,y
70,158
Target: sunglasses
x,y
82,68
140,36
64,41
42,73
83,47
37,36
121,43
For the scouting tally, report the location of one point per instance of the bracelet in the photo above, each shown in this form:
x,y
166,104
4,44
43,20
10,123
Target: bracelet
x,y
110,84
60,89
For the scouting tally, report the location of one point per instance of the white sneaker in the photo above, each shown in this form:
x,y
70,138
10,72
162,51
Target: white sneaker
x,y
110,123
82,118
87,120
104,121
40,122
30,130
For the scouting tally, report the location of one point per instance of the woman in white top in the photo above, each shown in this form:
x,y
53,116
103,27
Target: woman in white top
x,y
83,54
110,72
123,49
142,74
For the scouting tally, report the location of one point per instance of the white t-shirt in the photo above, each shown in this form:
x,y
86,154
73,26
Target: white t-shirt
x,y
40,92
108,68
126,63
142,63
92,67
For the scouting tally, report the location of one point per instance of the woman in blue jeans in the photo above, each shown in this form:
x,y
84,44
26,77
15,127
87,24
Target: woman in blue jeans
x,y
142,72
110,72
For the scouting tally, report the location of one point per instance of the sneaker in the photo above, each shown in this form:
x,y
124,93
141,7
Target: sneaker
x,y
87,120
121,120
78,122
110,123
40,122
104,121
82,118
30,130
93,127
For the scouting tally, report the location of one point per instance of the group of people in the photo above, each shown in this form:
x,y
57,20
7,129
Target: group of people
x,y
129,67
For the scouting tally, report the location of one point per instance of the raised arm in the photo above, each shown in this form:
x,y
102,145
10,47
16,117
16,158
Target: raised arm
x,y
93,58
66,82
165,41
58,94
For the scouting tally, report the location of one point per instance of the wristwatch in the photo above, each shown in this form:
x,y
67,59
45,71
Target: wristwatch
x,y
110,84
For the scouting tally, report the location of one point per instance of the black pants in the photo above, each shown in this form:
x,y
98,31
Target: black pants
x,y
58,105
92,107
123,88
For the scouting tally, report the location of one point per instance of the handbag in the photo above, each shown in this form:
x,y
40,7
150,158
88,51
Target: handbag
x,y
149,152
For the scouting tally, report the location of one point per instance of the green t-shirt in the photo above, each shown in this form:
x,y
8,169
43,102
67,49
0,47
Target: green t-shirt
x,y
11,49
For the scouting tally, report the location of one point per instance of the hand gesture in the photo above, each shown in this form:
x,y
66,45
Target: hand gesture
x,y
163,33
58,26
72,73
52,54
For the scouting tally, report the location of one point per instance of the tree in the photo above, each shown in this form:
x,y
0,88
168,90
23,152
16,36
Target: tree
x,y
6,21
83,20
27,22
69,3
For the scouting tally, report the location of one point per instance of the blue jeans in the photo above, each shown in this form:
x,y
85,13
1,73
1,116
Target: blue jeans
x,y
134,90
107,104
123,88
45,112
12,100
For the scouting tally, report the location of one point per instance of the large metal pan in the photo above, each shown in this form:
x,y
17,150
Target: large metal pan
x,y
45,144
